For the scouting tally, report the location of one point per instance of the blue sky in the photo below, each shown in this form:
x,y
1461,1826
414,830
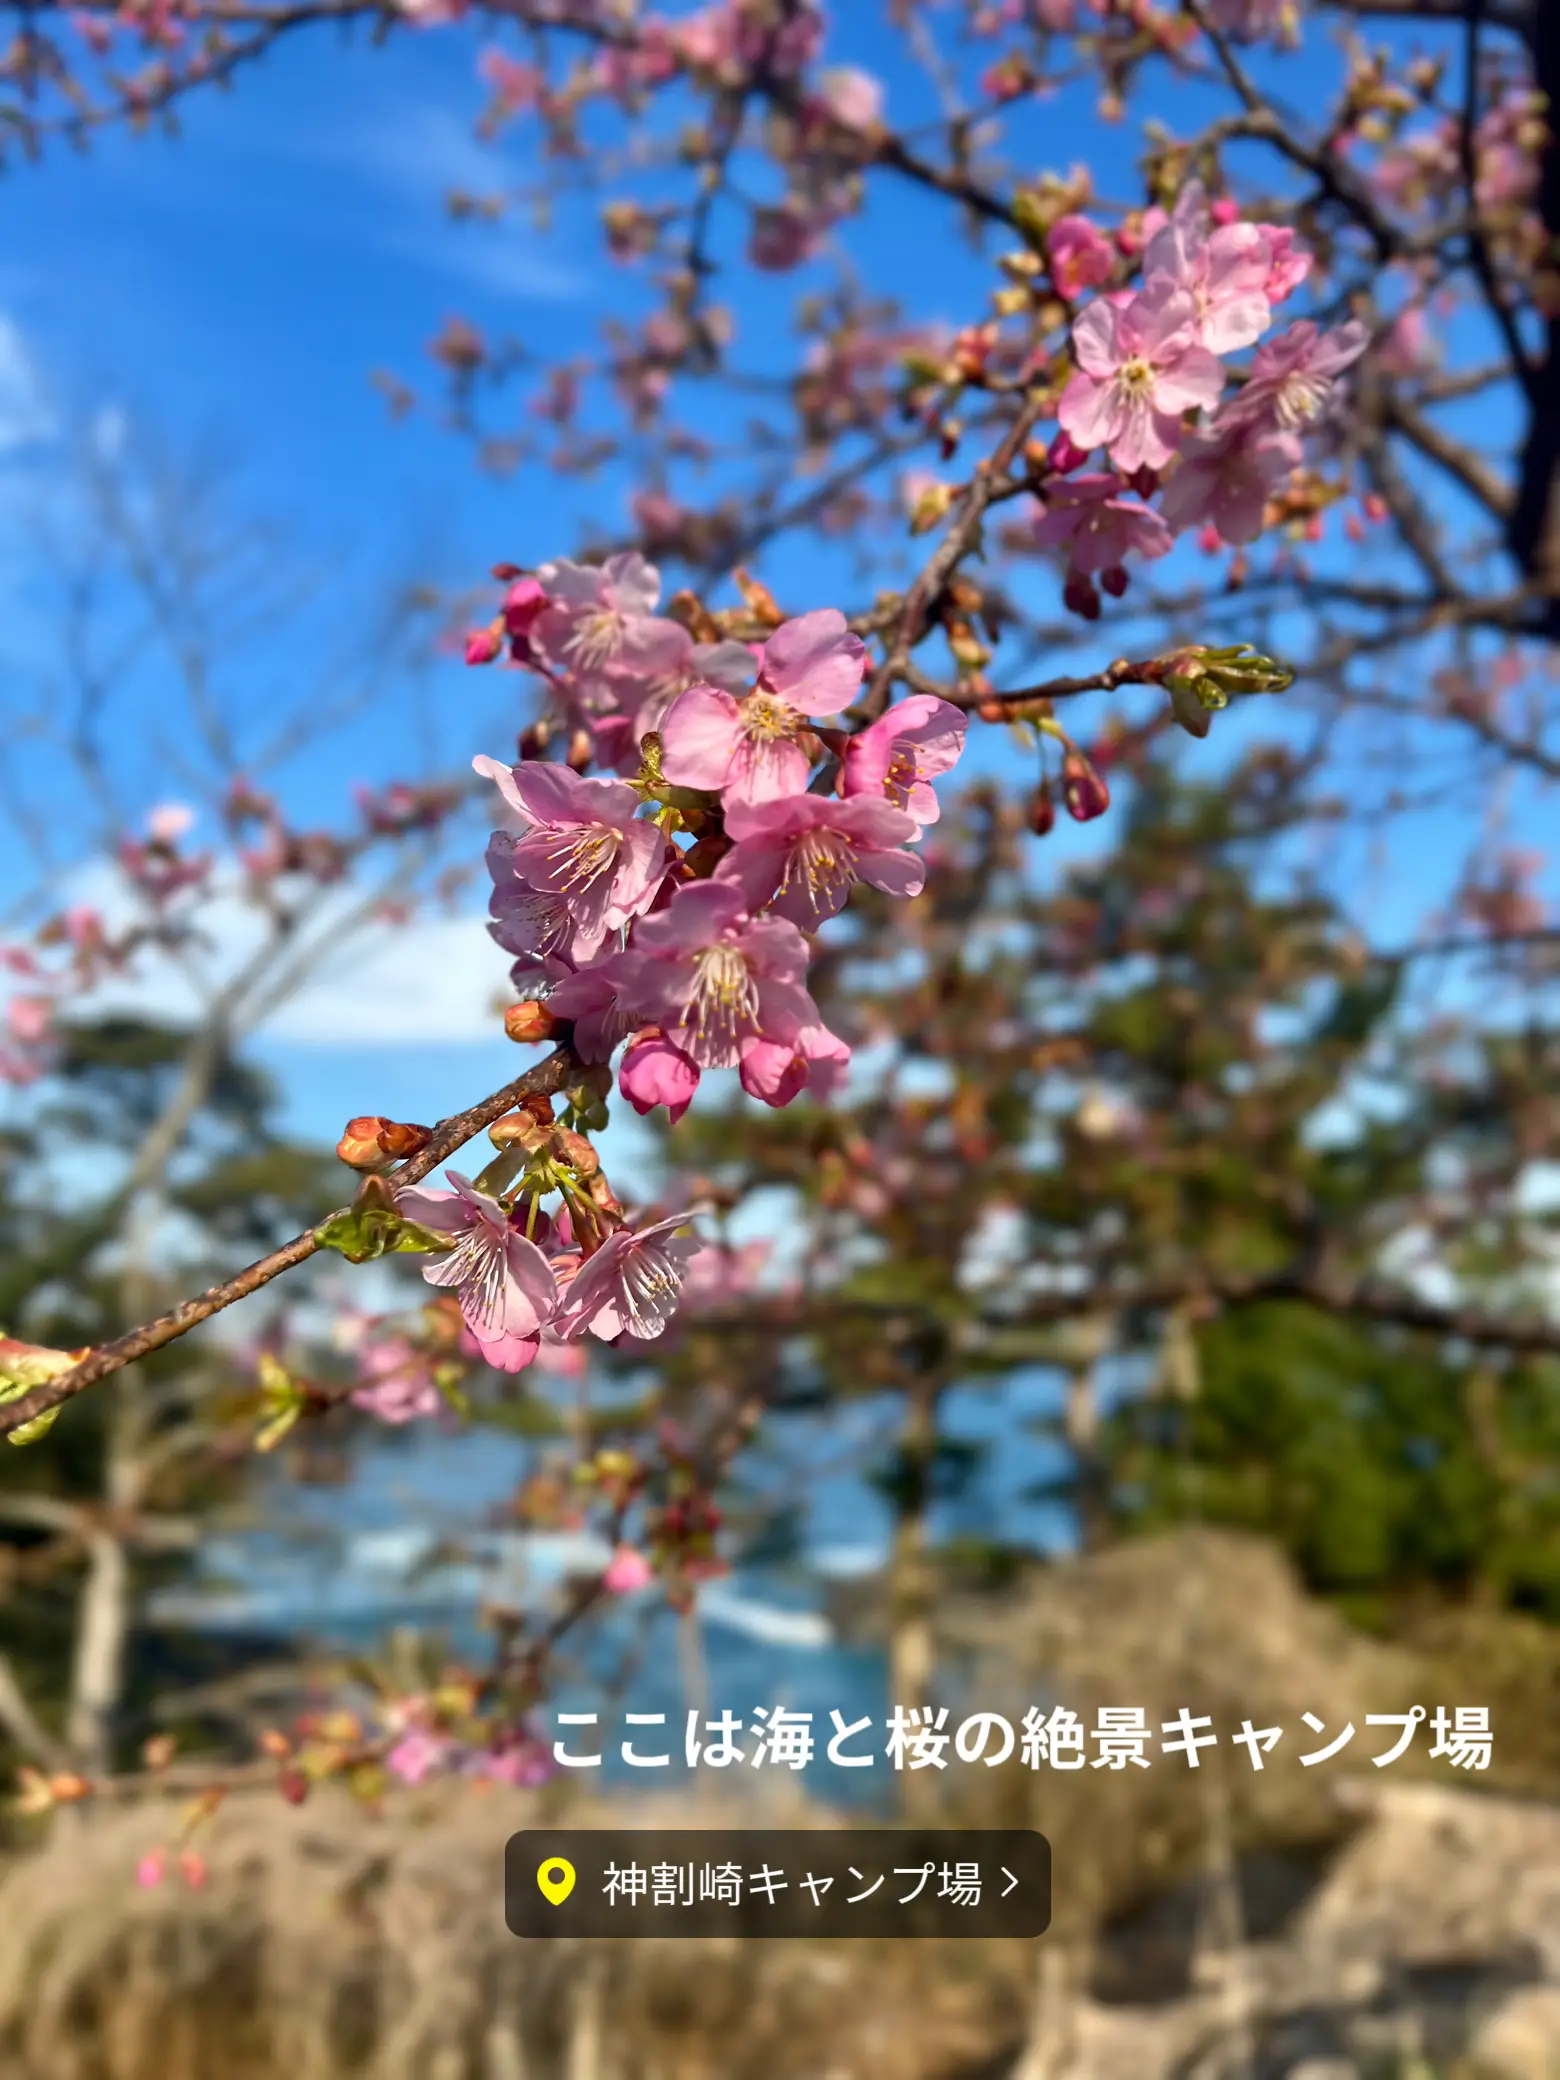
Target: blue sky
x,y
245,279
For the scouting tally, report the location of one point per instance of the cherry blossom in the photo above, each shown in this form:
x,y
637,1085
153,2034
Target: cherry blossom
x,y
507,1287
803,855
630,1286
747,748
1097,521
1226,477
1225,272
655,1072
603,615
398,1385
900,754
719,976
777,1072
1292,376
581,843
1140,368
1081,257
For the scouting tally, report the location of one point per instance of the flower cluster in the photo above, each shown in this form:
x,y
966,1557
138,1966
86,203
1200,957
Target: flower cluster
x,y
665,916
1148,357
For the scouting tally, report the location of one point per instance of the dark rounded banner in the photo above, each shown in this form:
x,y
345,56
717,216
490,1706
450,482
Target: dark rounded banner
x,y
777,1882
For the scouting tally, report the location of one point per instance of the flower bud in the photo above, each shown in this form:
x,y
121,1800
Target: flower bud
x,y
530,1020
524,604
400,1139
517,1130
1042,811
581,751
532,741
576,1151
930,507
484,644
1065,455
1083,789
1079,596
359,1146
1115,580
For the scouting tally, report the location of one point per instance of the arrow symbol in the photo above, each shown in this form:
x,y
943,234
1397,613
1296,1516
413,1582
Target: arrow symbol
x,y
1011,1881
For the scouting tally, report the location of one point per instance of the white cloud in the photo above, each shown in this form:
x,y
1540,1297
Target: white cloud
x,y
434,980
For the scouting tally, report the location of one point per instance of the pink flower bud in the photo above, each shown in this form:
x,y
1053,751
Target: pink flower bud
x,y
524,604
1084,791
1064,454
483,645
627,1572
654,1072
1209,539
1224,211
1115,580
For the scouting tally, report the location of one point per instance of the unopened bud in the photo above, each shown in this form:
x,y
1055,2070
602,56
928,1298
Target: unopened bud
x,y
1115,580
532,742
930,507
581,751
400,1139
530,1020
1079,596
359,1146
540,1107
484,644
1065,455
1042,811
1083,789
517,1130
524,603
762,604
576,1151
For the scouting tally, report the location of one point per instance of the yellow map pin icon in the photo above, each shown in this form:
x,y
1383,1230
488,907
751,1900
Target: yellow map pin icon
x,y
556,1878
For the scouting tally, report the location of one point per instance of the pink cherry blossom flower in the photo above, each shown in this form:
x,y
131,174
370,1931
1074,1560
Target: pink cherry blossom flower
x,y
30,1019
1292,376
1225,272
747,748
626,1572
523,1762
808,851
602,615
852,97
1140,368
417,1755
1226,478
655,1072
777,1073
398,1385
630,1286
900,754
581,843
601,1002
717,976
1100,524
1289,262
507,1288
1081,257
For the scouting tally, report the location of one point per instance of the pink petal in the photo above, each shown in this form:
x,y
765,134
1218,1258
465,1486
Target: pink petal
x,y
698,737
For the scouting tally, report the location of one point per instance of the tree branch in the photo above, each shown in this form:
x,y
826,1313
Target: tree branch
x,y
547,1076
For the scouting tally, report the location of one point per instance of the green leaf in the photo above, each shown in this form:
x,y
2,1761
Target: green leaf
x,y
24,1366
362,1233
